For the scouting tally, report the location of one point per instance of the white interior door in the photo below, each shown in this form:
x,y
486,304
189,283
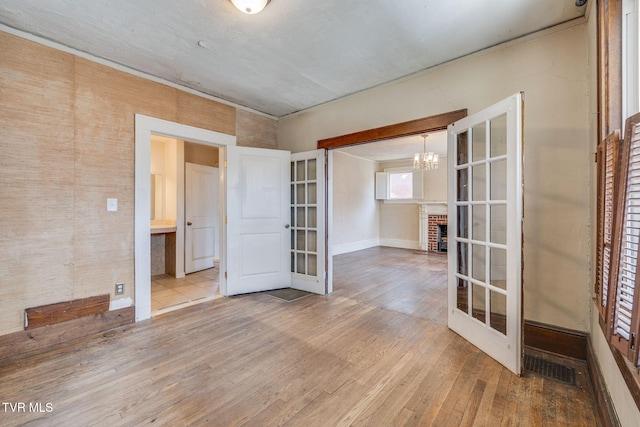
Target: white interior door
x,y
201,217
308,212
258,215
485,230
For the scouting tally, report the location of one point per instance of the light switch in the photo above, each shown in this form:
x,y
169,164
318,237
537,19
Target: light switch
x,y
112,205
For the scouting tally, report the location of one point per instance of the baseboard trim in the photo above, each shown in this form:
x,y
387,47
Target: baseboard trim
x,y
399,243
355,246
554,339
606,412
22,342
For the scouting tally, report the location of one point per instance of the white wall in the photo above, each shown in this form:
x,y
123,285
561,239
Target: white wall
x,y
355,209
550,67
399,222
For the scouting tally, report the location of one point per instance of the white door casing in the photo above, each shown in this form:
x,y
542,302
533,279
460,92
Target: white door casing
x,y
258,220
308,212
144,127
485,230
201,216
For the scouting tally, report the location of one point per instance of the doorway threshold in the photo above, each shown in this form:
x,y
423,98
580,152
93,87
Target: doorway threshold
x,y
182,305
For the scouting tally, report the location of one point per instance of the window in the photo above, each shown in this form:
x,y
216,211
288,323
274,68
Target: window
x,y
618,203
622,318
403,184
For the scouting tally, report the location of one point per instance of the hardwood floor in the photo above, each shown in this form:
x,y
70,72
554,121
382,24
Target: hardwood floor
x,y
375,352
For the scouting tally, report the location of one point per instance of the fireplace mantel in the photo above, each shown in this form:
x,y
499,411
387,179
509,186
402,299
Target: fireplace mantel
x,y
433,208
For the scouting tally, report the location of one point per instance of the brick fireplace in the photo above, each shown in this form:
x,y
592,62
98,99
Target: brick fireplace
x,y
432,215
433,222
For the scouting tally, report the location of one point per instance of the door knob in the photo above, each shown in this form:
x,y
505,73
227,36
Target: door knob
x,y
287,226
189,223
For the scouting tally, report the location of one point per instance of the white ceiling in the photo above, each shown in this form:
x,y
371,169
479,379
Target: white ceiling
x,y
293,55
399,148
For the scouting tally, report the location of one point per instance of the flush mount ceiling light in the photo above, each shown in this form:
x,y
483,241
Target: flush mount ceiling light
x,y
425,160
250,7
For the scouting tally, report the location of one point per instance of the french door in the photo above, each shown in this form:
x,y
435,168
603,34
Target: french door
x,y
308,221
275,222
485,230
258,210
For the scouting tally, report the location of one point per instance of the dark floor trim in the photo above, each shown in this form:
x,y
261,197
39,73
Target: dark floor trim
x,y
22,342
554,339
606,412
51,314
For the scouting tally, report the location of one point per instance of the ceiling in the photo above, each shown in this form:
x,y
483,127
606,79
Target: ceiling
x,y
293,55
399,148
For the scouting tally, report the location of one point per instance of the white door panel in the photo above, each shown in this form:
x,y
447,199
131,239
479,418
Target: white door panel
x,y
201,214
258,211
485,230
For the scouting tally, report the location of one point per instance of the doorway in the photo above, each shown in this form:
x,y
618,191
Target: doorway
x,y
424,125
172,286
394,209
144,127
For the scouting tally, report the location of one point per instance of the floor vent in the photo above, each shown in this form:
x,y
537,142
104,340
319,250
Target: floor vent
x,y
549,369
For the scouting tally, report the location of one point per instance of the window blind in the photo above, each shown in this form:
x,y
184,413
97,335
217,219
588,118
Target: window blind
x,y
607,175
624,325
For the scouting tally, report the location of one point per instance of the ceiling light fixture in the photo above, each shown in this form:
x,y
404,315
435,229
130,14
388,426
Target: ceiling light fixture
x,y
250,7
426,160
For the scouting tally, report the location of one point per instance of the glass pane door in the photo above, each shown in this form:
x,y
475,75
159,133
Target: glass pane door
x,y
307,221
485,211
481,233
304,217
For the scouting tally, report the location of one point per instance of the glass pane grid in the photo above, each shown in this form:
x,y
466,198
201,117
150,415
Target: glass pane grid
x,y
304,217
480,221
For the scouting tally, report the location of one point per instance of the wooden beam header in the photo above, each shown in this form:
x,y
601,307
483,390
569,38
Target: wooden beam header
x,y
413,127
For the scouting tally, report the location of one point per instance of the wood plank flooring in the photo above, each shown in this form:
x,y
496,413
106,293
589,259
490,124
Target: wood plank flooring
x,y
376,352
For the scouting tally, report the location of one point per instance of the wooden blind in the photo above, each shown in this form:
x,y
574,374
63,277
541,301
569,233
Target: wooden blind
x,y
608,152
624,299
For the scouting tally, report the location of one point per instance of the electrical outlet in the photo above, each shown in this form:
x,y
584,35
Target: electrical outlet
x,y
120,288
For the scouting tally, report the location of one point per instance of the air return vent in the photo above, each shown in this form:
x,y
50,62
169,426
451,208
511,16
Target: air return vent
x,y
550,370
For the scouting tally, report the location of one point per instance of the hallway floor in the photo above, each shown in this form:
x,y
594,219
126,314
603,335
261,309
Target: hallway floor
x,y
169,293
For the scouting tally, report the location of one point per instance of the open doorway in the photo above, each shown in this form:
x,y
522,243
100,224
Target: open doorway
x,y
380,199
425,125
145,127
188,273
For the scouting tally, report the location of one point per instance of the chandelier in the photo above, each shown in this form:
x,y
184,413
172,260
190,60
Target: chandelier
x,y
426,160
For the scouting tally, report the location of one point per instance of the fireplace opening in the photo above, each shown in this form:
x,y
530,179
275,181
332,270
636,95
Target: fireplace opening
x,y
442,238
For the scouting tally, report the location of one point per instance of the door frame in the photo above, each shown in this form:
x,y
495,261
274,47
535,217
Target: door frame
x,y
428,124
144,127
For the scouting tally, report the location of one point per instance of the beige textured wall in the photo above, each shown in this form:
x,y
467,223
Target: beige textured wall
x,y
355,210
551,68
201,154
67,145
253,130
